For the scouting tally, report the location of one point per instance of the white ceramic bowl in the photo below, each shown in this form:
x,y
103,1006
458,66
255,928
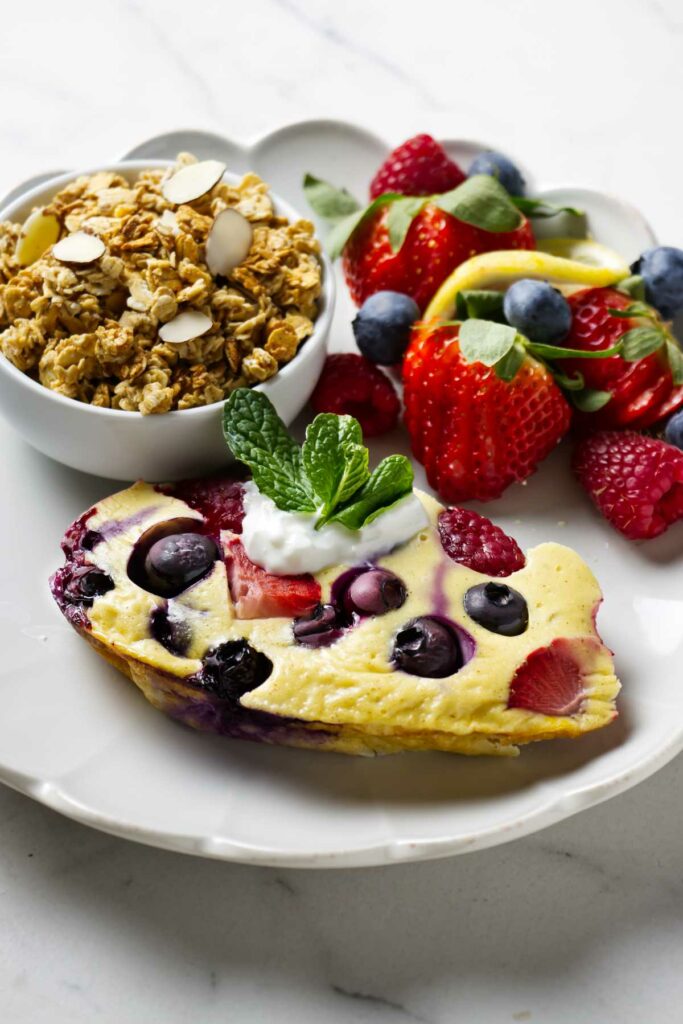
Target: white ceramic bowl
x,y
127,445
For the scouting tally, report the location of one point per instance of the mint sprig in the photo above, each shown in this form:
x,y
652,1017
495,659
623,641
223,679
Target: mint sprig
x,y
328,476
257,436
390,481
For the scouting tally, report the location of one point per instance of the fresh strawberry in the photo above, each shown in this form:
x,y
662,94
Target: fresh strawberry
x,y
218,498
636,482
643,391
436,243
257,594
351,385
419,167
476,542
552,680
474,432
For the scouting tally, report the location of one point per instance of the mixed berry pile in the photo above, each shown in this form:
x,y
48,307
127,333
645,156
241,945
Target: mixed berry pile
x,y
490,393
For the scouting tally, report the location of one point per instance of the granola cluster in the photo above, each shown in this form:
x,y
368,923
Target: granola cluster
x,y
91,332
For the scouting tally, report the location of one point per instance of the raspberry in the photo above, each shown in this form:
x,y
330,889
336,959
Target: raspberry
x,y
636,482
219,499
476,542
351,385
419,167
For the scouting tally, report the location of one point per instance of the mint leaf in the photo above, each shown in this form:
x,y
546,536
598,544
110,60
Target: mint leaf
x,y
388,483
328,201
542,208
257,436
480,305
482,341
633,286
400,217
589,400
482,201
641,342
675,357
508,367
335,460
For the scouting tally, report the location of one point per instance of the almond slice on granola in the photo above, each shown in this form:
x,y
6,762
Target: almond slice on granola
x,y
192,182
80,247
229,242
167,223
185,327
39,232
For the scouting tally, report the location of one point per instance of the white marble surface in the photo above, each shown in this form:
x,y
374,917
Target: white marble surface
x,y
583,922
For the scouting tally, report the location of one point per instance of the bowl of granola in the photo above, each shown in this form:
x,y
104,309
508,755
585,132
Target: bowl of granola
x,y
135,298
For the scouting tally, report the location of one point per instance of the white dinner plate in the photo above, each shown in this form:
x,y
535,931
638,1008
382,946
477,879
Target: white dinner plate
x,y
77,736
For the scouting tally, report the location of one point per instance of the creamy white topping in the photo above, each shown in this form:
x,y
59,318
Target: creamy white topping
x,y
287,543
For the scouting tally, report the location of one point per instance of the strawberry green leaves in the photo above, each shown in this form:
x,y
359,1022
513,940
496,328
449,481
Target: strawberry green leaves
x,y
480,200
675,357
590,400
641,342
542,209
343,212
329,202
328,476
480,304
482,341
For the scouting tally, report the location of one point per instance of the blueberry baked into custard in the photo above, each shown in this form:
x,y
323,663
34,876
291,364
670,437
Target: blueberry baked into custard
x,y
318,604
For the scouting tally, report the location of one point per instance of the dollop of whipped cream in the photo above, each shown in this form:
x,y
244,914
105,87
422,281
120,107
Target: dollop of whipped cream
x,y
287,543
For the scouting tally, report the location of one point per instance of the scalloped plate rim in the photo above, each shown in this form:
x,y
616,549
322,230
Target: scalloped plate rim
x,y
554,808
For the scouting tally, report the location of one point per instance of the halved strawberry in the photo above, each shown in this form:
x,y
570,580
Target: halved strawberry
x,y
257,594
643,391
552,679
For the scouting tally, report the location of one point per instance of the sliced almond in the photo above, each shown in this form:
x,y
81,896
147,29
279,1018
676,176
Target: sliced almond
x,y
192,181
39,232
80,247
229,242
167,223
185,326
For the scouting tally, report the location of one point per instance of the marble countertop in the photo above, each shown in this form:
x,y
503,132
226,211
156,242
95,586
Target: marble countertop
x,y
582,922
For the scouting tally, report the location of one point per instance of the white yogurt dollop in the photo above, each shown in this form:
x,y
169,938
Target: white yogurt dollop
x,y
287,543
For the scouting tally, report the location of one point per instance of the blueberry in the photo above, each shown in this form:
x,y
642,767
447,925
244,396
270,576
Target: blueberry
x,y
501,167
375,592
234,668
538,311
318,629
673,432
176,561
498,608
173,633
662,272
86,583
427,647
382,326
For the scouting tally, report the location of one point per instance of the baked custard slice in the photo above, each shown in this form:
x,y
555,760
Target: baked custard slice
x,y
372,624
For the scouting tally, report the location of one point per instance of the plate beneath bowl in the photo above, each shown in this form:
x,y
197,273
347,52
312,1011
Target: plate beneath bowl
x,y
77,736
